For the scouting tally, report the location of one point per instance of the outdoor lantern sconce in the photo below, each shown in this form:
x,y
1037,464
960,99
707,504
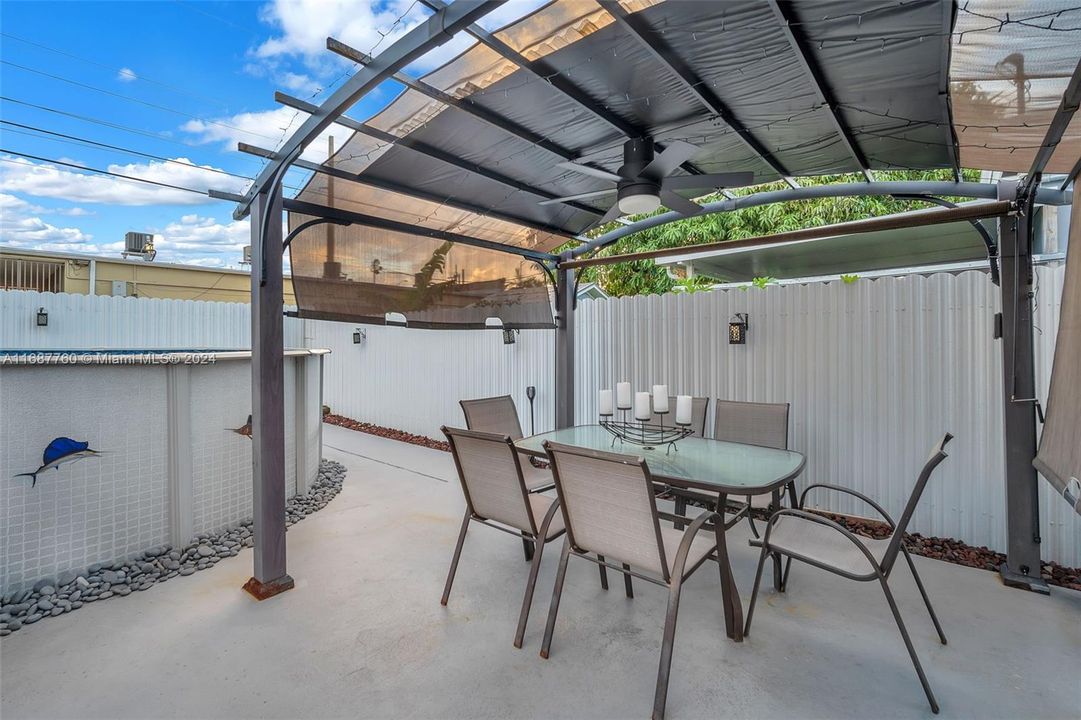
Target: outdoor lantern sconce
x,y
508,336
737,329
359,336
42,318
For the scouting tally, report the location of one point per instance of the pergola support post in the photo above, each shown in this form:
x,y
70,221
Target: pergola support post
x,y
1022,566
268,398
564,346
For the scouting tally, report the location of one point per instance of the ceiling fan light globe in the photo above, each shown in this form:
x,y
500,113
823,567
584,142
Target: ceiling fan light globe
x,y
638,203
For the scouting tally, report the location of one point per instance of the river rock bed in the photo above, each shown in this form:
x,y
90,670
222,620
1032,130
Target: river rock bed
x,y
71,590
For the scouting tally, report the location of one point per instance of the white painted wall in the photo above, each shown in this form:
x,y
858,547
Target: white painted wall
x,y
110,507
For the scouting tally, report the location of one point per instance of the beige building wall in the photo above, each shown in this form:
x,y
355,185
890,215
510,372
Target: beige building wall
x,y
141,278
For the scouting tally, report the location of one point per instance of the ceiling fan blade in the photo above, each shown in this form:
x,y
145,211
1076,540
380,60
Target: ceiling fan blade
x,y
708,182
671,158
591,171
679,203
579,196
613,213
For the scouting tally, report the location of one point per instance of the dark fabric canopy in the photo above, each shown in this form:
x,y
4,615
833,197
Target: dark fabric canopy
x,y
729,77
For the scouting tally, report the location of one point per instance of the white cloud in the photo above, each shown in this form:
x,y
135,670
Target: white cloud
x,y
20,227
368,26
46,180
126,75
257,128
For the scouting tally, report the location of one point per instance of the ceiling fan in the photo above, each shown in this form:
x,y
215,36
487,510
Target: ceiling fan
x,y
645,181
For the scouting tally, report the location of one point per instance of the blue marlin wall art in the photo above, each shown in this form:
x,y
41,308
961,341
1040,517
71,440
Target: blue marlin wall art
x,y
60,451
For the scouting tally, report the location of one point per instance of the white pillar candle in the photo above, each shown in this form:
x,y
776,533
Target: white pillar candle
x,y
623,395
683,409
660,398
641,406
604,403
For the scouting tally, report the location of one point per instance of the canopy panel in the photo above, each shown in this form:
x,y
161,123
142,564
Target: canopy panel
x,y
833,88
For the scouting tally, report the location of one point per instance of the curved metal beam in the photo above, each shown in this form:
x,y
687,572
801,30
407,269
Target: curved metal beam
x,y
992,248
310,223
984,191
433,32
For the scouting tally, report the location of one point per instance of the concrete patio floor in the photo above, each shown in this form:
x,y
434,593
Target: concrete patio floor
x,y
363,633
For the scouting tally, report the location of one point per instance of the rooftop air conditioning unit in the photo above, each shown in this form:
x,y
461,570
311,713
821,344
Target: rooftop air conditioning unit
x,y
141,245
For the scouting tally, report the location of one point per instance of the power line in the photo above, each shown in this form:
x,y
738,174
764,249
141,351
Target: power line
x,y
155,106
134,76
76,139
95,170
97,121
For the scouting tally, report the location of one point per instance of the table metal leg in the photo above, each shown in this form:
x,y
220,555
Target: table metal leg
x,y
778,584
733,608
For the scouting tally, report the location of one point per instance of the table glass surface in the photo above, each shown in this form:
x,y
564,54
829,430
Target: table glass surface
x,y
698,462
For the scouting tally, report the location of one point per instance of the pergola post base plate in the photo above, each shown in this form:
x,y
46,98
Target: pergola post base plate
x,y
262,590
1025,582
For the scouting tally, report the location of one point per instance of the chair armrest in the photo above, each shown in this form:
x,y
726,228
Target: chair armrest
x,y
680,561
813,517
849,491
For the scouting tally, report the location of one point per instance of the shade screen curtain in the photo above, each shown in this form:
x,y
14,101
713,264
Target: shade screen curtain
x,y
360,274
1059,457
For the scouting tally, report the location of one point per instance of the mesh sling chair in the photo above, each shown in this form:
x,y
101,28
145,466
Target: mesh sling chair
x,y
751,423
490,470
820,542
609,508
500,416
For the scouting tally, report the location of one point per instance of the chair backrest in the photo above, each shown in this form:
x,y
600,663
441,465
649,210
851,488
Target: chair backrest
x,y
608,505
491,477
699,409
938,454
493,415
752,423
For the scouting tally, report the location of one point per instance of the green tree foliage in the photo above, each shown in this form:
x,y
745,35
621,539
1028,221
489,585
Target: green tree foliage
x,y
643,277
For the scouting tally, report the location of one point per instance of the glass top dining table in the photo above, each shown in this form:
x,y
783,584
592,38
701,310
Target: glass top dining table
x,y
712,466
694,462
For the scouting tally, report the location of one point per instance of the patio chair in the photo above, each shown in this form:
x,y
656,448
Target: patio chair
x,y
609,508
499,415
818,541
752,423
490,470
699,408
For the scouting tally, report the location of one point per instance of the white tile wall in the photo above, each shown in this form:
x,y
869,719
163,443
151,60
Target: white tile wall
x,y
92,510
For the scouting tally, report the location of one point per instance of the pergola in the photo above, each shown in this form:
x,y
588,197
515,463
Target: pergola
x,y
487,169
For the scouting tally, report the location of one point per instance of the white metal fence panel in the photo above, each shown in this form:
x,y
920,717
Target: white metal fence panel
x,y
413,379
102,321
875,371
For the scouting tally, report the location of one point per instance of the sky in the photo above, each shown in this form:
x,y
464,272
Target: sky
x,y
181,82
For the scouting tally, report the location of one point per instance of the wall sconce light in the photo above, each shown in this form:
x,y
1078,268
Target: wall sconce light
x,y
508,336
359,336
42,318
737,329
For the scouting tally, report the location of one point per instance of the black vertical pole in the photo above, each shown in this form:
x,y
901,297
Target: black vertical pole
x,y
268,398
564,360
1022,566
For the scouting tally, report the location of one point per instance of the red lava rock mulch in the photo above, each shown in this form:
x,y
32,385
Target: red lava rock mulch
x,y
386,432
947,549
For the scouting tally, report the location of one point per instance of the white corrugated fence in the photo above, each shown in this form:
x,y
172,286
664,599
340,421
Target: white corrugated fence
x,y
875,371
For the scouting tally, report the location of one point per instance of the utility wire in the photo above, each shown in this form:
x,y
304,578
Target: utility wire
x,y
95,170
134,76
155,106
129,151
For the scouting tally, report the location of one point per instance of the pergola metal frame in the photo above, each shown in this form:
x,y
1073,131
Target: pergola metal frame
x,y
264,200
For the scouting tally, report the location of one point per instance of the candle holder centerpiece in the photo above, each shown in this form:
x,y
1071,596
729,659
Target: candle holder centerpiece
x,y
642,430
